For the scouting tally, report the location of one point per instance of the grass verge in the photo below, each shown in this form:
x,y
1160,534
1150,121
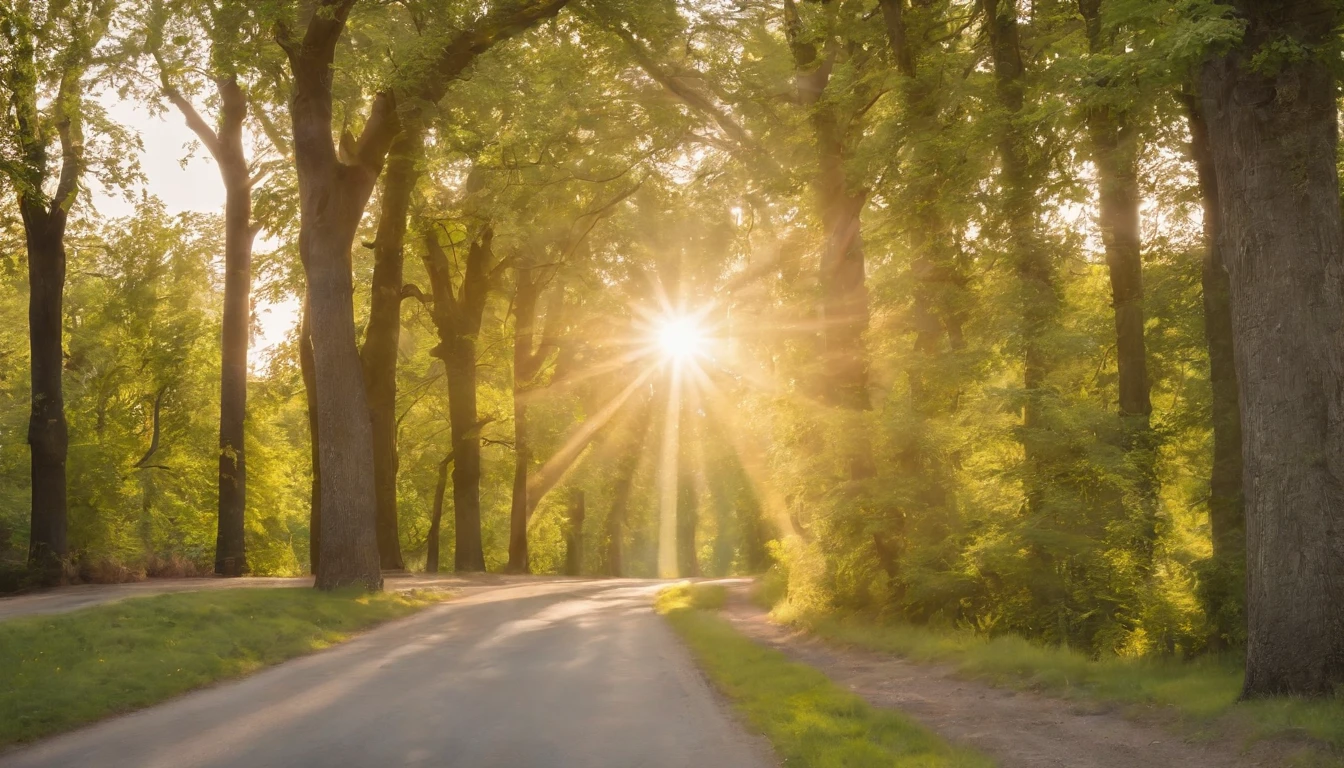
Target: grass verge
x,y
59,672
809,720
1204,690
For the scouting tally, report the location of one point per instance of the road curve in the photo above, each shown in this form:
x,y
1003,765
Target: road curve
x,y
556,675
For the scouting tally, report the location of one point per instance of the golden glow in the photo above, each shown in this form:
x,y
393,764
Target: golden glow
x,y
681,337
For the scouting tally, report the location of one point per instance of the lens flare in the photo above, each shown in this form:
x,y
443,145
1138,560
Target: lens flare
x,y
681,338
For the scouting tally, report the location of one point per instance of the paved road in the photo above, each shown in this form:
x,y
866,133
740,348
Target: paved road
x,y
557,675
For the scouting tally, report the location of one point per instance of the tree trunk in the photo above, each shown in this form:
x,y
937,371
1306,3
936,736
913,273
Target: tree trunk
x,y
460,364
315,486
844,296
524,313
227,148
382,336
1273,135
436,517
1037,284
457,318
1114,144
574,534
48,436
519,507
334,187
1224,585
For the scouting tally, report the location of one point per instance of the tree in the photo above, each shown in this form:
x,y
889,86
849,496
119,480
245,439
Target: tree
x,y
49,50
457,315
422,88
1270,105
223,25
334,187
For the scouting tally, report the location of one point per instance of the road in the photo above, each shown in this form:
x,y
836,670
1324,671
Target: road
x,y
553,675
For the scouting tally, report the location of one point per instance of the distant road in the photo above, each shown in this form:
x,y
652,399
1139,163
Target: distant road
x,y
565,674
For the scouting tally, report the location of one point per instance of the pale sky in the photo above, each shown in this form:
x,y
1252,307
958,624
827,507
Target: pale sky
x,y
193,187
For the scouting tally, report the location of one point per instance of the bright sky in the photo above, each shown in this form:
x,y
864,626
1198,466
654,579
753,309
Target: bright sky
x,y
194,186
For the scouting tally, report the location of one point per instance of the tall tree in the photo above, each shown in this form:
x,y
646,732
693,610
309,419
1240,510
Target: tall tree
x,y
457,313
840,200
334,187
49,48
1224,581
423,86
1114,143
528,358
223,24
1270,104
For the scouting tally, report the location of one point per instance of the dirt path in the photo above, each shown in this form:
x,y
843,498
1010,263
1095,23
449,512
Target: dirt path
x,y
1017,729
66,599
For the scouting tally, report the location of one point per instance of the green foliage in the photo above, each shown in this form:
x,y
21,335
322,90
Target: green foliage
x,y
60,672
809,720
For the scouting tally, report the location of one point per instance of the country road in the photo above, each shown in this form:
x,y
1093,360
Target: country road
x,y
554,675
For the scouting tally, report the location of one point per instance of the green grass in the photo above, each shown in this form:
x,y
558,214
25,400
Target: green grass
x,y
59,672
809,720
1203,691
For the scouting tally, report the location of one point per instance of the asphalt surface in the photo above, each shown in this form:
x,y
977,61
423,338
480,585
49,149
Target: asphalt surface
x,y
554,675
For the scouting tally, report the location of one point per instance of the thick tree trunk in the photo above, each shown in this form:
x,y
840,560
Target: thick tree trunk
x,y
48,436
1224,585
334,187
436,517
574,534
382,336
1273,133
315,484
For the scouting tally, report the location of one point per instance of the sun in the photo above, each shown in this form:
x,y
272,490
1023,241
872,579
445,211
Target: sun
x,y
681,337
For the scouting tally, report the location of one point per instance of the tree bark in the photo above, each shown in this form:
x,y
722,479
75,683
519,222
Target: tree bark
x,y
574,534
1273,135
1224,586
314,446
334,187
48,435
382,336
436,517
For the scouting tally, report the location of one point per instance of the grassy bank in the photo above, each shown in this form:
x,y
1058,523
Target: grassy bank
x,y
809,720
1204,691
59,672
